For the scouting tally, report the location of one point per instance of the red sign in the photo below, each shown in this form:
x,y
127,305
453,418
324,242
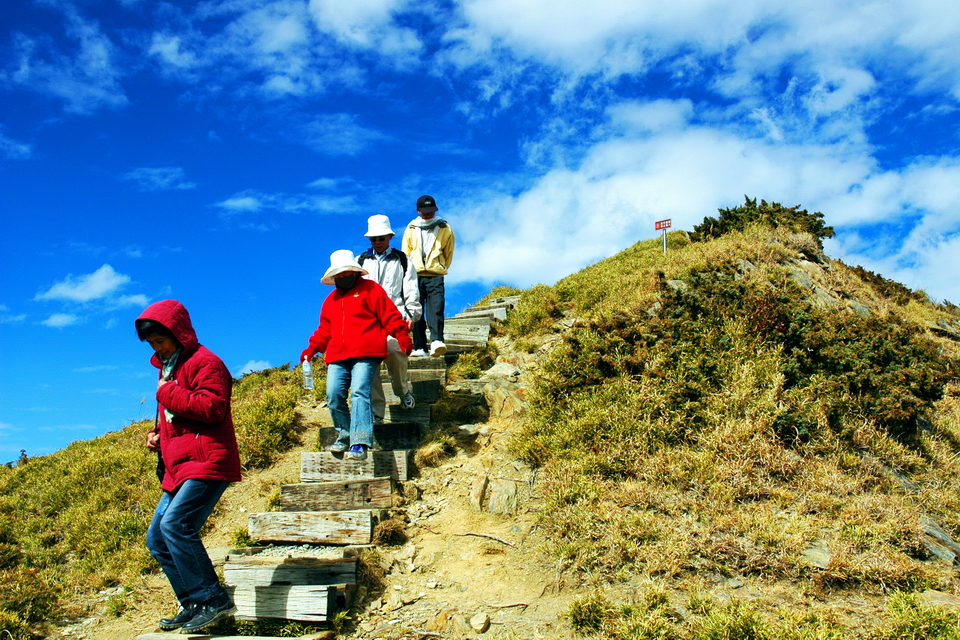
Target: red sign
x,y
663,224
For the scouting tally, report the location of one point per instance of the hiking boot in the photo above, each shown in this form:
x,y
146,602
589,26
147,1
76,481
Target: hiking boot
x,y
437,348
210,613
339,447
418,353
183,617
408,401
377,419
357,452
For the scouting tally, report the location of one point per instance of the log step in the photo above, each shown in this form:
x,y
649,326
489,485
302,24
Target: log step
x,y
323,466
370,493
311,527
304,603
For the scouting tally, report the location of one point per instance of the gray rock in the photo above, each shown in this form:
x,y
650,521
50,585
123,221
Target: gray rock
x,y
817,555
677,285
859,308
480,622
502,370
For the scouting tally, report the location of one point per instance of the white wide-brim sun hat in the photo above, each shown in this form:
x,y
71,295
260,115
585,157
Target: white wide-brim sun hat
x,y
340,261
378,225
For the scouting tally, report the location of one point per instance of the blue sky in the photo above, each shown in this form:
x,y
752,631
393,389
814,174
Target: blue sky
x,y
217,152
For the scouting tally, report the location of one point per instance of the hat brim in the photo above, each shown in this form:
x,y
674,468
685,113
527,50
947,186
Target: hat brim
x,y
427,209
332,272
377,234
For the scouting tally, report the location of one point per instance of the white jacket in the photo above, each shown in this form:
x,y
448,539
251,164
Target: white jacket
x,y
401,286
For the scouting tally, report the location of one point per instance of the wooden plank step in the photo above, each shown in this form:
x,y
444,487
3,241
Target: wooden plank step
x,y
505,301
495,313
425,391
311,527
206,636
264,571
420,414
323,466
425,362
468,321
303,603
367,493
392,436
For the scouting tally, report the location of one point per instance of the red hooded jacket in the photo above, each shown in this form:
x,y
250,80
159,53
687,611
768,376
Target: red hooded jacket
x,y
355,324
199,443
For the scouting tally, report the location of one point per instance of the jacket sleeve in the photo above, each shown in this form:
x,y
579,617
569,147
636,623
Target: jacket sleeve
x,y
411,293
205,398
446,251
321,337
391,319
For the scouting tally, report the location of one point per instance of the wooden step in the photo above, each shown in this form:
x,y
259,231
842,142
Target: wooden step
x,y
392,436
305,603
313,527
494,313
255,575
367,493
323,466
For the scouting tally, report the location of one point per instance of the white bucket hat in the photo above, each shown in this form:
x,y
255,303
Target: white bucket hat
x,y
378,225
341,261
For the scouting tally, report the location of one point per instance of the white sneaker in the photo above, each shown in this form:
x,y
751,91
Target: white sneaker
x,y
437,348
408,401
418,353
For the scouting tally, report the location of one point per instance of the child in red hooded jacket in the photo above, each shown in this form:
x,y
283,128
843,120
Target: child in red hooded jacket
x,y
199,458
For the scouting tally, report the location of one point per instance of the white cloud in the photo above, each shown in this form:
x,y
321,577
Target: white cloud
x,y
96,368
13,149
338,134
254,201
100,284
652,163
86,78
251,366
59,320
159,178
9,318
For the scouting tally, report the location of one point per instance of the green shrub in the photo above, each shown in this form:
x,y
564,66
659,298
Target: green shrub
x,y
771,214
911,620
538,308
264,414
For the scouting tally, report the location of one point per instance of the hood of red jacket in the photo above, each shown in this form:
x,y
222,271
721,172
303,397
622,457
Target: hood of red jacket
x,y
173,316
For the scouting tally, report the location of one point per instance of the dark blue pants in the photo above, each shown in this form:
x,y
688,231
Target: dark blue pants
x,y
174,539
431,297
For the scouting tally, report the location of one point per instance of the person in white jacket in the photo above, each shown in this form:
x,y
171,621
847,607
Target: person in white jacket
x,y
391,269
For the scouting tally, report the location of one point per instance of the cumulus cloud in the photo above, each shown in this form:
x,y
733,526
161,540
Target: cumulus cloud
x,y
159,178
13,149
95,292
655,162
251,366
100,284
60,320
252,201
85,77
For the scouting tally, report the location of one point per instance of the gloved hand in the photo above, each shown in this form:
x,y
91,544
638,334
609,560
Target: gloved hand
x,y
308,354
406,344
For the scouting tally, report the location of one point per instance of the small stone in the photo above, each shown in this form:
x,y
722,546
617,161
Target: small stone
x,y
432,584
480,622
409,598
939,598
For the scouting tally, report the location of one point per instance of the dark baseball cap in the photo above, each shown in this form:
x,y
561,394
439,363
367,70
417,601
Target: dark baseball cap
x,y
426,203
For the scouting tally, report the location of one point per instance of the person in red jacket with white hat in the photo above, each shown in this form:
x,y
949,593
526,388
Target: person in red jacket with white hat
x,y
355,320
199,458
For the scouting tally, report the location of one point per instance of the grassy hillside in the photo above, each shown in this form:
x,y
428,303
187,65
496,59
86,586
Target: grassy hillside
x,y
74,521
735,408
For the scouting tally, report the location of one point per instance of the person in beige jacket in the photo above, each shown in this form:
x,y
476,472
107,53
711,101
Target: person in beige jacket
x,y
428,240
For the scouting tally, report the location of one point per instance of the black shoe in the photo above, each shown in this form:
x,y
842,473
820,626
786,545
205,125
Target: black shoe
x,y
177,621
209,613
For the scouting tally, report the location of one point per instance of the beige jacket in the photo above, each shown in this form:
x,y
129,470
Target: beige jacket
x,y
437,261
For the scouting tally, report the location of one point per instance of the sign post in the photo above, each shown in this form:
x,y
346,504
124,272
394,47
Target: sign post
x,y
663,225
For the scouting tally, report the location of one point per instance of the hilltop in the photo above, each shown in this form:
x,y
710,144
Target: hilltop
x,y
742,438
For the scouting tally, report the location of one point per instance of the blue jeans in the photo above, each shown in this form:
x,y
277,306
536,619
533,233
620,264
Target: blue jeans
x,y
174,539
430,326
354,426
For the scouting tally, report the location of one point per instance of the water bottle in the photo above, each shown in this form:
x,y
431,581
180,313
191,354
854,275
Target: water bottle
x,y
307,374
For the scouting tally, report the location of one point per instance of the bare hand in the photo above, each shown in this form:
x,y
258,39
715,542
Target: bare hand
x,y
161,383
153,441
